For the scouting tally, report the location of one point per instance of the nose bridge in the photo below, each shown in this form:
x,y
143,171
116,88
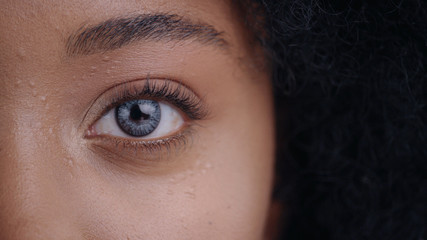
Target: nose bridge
x,y
30,195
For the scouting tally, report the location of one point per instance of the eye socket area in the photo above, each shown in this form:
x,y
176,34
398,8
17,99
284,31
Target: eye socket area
x,y
140,119
137,103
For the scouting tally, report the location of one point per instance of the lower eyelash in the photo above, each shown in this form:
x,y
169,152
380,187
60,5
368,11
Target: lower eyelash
x,y
134,152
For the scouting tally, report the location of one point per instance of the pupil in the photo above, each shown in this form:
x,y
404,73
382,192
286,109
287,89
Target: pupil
x,y
136,114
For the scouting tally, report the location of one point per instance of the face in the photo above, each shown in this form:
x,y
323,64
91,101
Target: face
x,y
147,119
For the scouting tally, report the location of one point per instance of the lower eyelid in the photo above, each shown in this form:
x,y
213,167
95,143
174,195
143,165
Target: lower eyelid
x,y
126,153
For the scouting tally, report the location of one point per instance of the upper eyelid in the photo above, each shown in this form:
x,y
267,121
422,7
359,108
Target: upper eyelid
x,y
113,95
163,92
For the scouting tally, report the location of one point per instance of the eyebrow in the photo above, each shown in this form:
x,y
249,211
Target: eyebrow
x,y
118,32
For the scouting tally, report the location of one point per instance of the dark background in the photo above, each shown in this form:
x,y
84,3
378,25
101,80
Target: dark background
x,y
351,100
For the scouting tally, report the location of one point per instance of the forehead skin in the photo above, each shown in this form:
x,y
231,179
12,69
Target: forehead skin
x,y
54,185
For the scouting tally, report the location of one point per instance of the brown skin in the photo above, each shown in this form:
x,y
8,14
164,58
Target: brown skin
x,y
58,183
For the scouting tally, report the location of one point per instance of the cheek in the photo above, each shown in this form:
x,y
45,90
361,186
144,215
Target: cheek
x,y
244,159
225,191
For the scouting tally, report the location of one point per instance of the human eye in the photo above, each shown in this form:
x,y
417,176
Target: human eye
x,y
150,116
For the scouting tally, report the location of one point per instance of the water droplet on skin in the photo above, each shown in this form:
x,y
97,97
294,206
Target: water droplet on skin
x,y
43,98
199,168
172,180
202,168
105,58
190,192
32,84
69,161
208,165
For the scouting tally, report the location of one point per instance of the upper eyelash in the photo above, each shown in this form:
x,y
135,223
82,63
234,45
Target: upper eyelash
x,y
189,103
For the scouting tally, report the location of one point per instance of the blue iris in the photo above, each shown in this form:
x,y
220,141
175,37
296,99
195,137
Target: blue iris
x,y
138,118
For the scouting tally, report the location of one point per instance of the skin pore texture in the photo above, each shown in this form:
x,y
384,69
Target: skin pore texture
x,y
60,179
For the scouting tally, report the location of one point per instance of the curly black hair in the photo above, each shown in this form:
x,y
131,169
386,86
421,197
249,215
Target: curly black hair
x,y
351,104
